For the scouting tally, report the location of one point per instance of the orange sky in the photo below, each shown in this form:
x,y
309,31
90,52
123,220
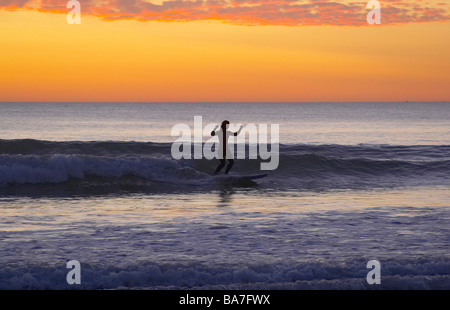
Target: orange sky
x,y
120,53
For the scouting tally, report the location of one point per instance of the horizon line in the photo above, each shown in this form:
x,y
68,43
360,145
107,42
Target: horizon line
x,y
405,101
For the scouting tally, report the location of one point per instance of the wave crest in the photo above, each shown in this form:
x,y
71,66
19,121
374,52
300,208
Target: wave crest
x,y
311,166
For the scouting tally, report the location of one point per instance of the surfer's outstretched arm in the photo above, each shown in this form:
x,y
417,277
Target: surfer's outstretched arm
x,y
239,131
213,132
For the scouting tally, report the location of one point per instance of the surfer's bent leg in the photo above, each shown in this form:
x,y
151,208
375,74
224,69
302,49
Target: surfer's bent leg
x,y
221,165
230,164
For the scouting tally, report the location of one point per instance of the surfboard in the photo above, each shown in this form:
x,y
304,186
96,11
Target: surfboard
x,y
240,177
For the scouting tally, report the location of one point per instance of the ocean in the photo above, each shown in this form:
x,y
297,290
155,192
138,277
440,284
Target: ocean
x,y
96,183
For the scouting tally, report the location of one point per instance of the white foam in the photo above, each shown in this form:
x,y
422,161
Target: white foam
x,y
425,274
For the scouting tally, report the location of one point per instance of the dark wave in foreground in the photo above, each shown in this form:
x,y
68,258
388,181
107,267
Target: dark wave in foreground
x,y
416,274
116,166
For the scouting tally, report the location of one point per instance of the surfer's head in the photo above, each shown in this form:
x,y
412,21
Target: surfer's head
x,y
224,124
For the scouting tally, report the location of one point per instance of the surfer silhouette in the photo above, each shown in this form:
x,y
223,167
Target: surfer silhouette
x,y
224,152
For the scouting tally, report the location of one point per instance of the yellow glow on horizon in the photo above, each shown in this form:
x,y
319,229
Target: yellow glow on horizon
x,y
45,59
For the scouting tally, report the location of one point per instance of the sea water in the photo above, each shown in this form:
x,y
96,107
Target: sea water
x,y
95,182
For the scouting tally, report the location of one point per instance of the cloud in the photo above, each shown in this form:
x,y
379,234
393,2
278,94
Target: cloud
x,y
249,12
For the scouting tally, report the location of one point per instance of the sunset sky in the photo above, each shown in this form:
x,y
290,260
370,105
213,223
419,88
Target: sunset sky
x,y
224,50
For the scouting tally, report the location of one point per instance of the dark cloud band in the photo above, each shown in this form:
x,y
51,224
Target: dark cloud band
x,y
249,12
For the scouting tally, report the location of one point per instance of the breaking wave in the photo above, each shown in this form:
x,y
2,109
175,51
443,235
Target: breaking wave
x,y
25,162
396,274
